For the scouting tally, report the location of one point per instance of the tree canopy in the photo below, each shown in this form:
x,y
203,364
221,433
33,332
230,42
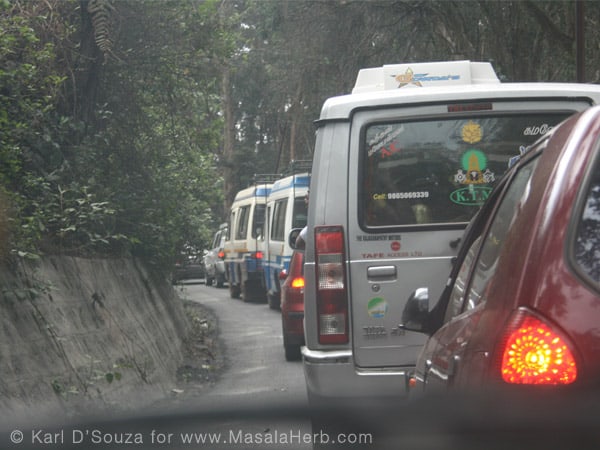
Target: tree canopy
x,y
127,127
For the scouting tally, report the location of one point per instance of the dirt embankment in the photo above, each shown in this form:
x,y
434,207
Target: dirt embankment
x,y
104,334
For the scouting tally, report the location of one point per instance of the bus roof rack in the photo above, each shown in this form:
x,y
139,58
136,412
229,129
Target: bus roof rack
x,y
394,76
297,166
265,178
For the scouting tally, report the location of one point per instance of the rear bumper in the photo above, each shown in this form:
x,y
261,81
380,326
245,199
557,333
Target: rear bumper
x,y
332,375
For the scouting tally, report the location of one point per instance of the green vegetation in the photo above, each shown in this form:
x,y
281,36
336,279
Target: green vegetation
x,y
126,127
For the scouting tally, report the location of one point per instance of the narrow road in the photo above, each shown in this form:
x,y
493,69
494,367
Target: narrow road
x,y
264,395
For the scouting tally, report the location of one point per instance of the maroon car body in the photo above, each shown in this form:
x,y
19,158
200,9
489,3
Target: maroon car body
x,y
292,307
522,306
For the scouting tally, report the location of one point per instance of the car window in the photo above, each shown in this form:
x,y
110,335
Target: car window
x,y
509,209
278,225
587,243
217,239
300,213
258,221
438,171
243,223
456,301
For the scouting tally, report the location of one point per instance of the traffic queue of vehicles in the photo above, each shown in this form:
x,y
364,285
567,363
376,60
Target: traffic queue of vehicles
x,y
407,186
252,252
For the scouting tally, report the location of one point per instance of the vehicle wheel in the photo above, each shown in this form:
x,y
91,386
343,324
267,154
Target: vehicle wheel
x,y
252,292
292,352
274,302
234,291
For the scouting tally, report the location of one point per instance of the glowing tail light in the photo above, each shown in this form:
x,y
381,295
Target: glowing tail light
x,y
258,255
298,283
332,299
534,353
221,254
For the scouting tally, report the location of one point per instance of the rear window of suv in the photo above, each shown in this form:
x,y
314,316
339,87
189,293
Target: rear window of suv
x,y
439,171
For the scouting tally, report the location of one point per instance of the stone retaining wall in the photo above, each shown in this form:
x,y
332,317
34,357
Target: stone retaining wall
x,y
75,330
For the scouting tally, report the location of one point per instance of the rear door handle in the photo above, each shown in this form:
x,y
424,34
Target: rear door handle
x,y
381,273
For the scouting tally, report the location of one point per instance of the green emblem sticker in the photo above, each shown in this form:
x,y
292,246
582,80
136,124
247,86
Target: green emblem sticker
x,y
473,174
377,308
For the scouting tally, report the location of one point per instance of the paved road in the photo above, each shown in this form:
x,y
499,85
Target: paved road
x,y
257,380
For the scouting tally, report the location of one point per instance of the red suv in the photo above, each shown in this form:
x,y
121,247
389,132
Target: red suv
x,y
292,307
522,306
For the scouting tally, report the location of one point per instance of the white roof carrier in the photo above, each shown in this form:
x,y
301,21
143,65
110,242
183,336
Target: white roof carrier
x,y
394,76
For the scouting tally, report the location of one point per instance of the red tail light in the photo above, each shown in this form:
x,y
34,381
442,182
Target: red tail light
x,y
298,283
535,353
221,254
332,300
258,255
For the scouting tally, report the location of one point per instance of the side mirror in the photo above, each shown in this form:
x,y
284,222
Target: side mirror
x,y
293,237
416,311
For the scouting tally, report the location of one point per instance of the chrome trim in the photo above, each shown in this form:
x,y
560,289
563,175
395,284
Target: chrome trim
x,y
326,357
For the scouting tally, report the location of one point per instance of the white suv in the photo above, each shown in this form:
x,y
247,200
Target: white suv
x,y
400,167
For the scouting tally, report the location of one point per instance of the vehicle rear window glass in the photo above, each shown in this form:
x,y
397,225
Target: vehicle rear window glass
x,y
243,218
587,243
440,171
504,218
278,225
258,221
300,213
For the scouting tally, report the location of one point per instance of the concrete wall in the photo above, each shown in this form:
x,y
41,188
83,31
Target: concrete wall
x,y
68,326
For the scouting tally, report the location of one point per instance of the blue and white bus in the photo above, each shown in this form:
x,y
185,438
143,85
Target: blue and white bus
x,y
245,244
286,210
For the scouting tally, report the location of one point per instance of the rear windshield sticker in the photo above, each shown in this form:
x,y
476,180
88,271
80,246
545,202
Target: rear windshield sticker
x,y
537,130
473,174
384,142
472,132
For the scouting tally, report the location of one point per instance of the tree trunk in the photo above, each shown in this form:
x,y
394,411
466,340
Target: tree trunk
x,y
229,186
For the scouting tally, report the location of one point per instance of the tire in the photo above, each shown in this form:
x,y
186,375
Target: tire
x,y
252,292
234,291
274,302
292,352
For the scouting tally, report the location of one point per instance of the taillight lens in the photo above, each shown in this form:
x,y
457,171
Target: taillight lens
x,y
332,300
298,283
258,255
535,353
221,254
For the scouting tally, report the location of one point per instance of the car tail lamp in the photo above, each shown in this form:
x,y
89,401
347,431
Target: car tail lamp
x,y
332,299
257,255
298,283
221,254
536,353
